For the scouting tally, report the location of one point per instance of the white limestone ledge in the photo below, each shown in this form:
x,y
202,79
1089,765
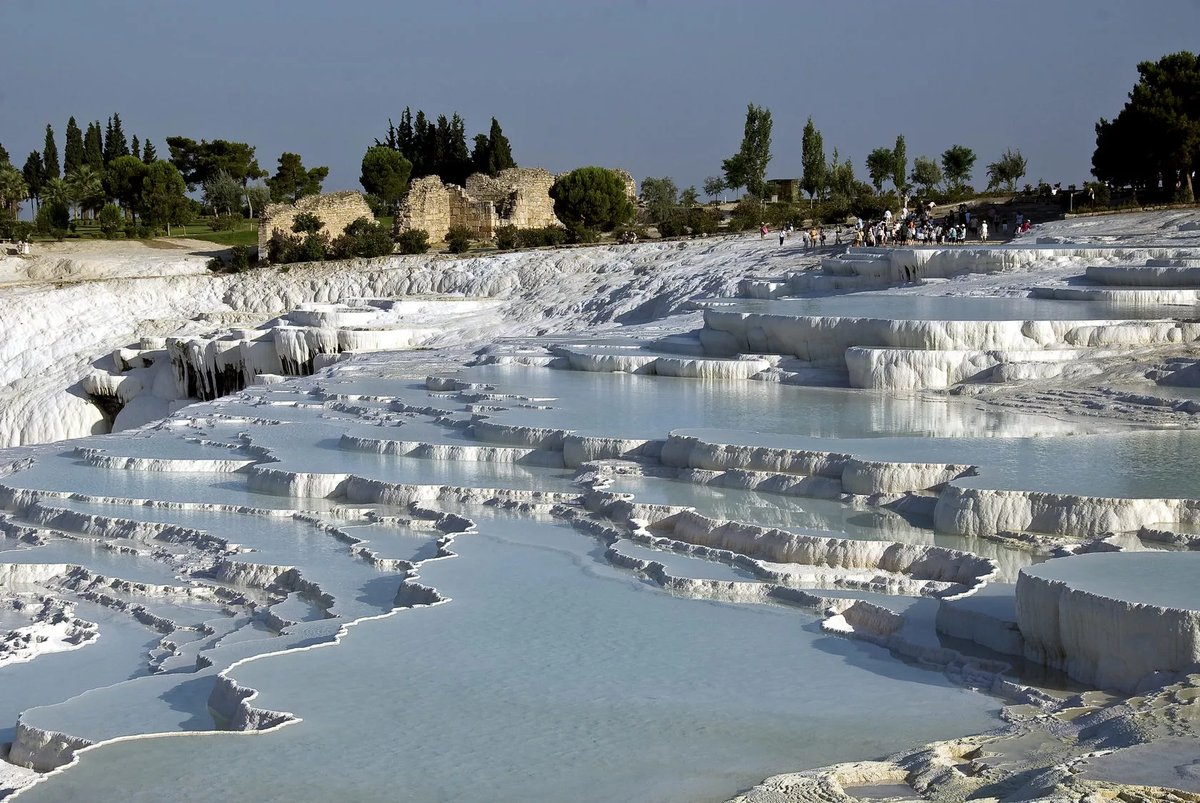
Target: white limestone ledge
x,y
1125,621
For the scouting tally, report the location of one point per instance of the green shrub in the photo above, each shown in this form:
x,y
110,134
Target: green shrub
x,y
110,220
130,231
307,223
635,228
362,238
458,239
579,234
591,198
538,238
673,225
703,221
22,230
216,265
53,218
747,215
8,221
224,222
413,241
239,258
1102,192
506,238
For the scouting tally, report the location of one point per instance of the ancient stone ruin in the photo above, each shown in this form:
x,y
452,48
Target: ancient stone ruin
x,y
335,209
519,196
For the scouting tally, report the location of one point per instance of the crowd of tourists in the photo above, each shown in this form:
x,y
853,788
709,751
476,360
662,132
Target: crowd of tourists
x,y
916,228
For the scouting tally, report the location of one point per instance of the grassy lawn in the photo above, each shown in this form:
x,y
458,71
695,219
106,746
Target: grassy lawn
x,y
246,232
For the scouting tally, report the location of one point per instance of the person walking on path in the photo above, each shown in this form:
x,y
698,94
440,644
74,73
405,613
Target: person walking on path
x,y
983,232
782,236
763,235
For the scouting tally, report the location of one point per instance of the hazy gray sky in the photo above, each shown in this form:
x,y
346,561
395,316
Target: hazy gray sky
x,y
656,87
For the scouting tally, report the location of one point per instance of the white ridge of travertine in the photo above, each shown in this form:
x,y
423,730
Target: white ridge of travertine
x,y
917,561
982,512
744,465
1103,640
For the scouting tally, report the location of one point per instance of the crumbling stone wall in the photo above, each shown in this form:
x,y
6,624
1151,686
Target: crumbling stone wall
x,y
630,184
519,196
335,209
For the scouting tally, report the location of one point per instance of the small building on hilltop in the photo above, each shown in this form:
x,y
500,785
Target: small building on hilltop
x,y
519,196
784,189
335,209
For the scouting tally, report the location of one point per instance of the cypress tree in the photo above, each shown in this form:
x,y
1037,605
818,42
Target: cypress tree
x,y
93,147
481,154
34,173
50,155
73,151
404,134
423,146
136,148
148,154
499,151
899,166
115,144
458,158
441,147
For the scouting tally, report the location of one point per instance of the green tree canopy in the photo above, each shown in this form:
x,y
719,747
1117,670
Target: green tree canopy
x,y
957,162
135,149
660,195
499,150
1156,136
73,151
87,187
50,155
714,186
223,194
149,155
734,169
591,197
385,175
926,173
899,166
879,166
812,154
123,181
115,144
34,175
163,202
689,197
93,146
841,181
13,188
292,181
1007,170
750,162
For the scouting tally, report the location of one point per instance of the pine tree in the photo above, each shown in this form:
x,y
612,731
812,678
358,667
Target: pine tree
x,y
4,157
93,146
499,150
50,155
148,154
136,148
73,151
